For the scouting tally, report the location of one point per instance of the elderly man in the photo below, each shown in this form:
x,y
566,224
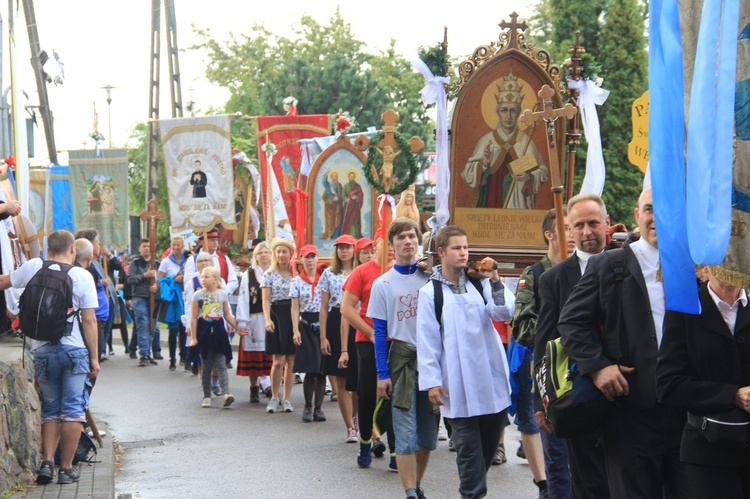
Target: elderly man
x,y
588,221
62,366
612,326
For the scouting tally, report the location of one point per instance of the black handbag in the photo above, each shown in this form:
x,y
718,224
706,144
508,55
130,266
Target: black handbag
x,y
729,429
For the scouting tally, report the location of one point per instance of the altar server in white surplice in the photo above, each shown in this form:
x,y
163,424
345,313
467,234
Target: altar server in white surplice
x,y
461,360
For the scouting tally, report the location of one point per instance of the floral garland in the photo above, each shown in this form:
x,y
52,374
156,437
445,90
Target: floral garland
x,y
412,169
590,68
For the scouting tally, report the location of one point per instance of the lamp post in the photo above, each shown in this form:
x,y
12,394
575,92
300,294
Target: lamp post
x,y
109,88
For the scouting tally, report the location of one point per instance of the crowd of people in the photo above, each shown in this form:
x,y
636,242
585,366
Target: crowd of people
x,y
404,347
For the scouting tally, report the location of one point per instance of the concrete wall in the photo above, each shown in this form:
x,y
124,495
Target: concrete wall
x,y
20,416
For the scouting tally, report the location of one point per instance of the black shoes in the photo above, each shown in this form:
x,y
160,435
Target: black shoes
x,y
46,471
172,365
378,447
147,361
158,356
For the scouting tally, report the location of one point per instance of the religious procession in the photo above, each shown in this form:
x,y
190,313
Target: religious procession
x,y
477,264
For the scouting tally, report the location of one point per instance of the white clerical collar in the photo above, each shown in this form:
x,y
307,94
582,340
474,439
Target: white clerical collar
x,y
717,300
583,256
651,253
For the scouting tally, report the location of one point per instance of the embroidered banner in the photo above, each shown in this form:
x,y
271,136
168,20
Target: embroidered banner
x,y
285,132
200,177
99,187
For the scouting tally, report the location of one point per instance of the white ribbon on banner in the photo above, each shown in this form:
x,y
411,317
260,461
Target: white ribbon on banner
x,y
434,91
591,95
381,201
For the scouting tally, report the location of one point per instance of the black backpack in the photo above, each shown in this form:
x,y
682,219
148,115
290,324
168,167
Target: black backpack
x,y
46,303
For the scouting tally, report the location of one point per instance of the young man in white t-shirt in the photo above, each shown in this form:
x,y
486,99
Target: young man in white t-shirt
x,y
62,385
393,309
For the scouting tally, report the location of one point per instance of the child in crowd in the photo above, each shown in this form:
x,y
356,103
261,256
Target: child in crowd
x,y
209,309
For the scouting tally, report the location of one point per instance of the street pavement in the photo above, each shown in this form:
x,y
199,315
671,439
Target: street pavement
x,y
174,448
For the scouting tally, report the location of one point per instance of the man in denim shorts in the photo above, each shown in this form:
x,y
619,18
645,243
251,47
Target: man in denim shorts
x,y
62,367
393,309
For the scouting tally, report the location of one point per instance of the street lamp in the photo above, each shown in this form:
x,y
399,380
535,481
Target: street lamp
x,y
109,88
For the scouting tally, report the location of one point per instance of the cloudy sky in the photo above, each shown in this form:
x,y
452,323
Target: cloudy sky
x,y
107,42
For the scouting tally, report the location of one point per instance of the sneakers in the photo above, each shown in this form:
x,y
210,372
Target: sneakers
x,y
319,415
206,402
499,456
172,365
158,356
111,352
68,475
273,406
520,452
451,447
143,362
393,464
286,406
228,399
216,390
351,436
152,362
254,395
195,368
307,415
420,493
46,471
267,393
364,460
133,355
378,447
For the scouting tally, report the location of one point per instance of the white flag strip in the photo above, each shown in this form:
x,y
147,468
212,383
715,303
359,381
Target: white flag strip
x,y
200,176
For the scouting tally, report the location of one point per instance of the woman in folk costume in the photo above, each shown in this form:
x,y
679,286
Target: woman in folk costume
x,y
305,294
331,281
277,311
253,361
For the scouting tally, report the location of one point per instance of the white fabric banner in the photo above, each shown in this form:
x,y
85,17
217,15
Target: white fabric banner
x,y
200,176
591,95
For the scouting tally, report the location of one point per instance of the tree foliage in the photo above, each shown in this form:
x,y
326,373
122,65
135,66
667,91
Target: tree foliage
x,y
625,64
324,66
554,24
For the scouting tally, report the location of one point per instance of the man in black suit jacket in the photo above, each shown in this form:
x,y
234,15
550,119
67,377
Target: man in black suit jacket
x,y
588,221
613,328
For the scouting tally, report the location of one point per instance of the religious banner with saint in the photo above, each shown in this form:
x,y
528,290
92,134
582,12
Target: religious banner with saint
x,y
200,176
500,166
285,132
99,193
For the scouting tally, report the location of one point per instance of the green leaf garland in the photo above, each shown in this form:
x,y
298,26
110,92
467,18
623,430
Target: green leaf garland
x,y
412,169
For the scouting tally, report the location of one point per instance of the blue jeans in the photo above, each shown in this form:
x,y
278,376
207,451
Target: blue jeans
x,y
417,427
145,337
61,371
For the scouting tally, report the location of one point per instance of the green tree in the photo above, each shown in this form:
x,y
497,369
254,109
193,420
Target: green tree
x,y
324,66
624,64
137,186
554,24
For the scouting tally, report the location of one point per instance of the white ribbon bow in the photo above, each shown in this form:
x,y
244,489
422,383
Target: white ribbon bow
x,y
434,92
589,96
381,200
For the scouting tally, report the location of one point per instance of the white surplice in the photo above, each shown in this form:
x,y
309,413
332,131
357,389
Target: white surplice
x,y
468,359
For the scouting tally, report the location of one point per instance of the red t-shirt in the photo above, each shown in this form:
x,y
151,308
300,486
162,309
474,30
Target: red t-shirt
x,y
359,283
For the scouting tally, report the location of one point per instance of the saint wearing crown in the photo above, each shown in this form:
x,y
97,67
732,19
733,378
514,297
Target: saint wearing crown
x,y
506,166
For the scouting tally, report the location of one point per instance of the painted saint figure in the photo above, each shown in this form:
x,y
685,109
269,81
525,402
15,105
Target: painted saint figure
x,y
198,180
489,168
334,205
353,200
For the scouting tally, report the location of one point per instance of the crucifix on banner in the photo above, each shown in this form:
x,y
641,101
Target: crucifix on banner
x,y
550,115
151,215
389,144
